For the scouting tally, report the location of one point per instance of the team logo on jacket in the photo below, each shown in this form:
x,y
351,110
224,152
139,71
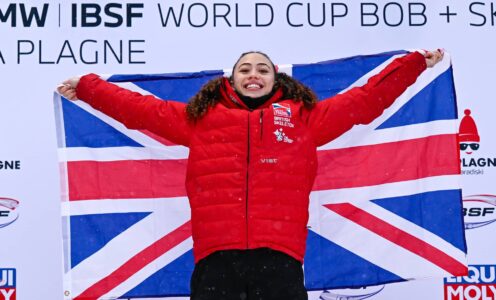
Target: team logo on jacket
x,y
281,110
282,115
282,137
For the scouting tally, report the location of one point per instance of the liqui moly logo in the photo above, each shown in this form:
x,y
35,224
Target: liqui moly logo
x,y
7,284
479,284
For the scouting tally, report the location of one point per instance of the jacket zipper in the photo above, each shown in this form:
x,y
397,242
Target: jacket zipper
x,y
247,174
261,124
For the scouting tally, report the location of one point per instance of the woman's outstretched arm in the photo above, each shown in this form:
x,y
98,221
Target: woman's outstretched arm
x,y
361,105
164,118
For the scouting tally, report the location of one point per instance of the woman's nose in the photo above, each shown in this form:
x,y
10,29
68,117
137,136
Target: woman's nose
x,y
253,74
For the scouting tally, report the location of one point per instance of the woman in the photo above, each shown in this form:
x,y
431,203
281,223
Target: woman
x,y
252,162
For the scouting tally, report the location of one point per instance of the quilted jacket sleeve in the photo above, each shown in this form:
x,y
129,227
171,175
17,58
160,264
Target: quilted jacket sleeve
x,y
165,118
361,105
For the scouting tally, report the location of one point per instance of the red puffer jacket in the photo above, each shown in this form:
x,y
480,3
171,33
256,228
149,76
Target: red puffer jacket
x,y
250,172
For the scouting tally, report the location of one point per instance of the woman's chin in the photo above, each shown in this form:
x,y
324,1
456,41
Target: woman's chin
x,y
253,94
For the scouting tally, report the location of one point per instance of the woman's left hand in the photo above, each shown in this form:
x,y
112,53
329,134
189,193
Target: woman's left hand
x,y
433,57
68,88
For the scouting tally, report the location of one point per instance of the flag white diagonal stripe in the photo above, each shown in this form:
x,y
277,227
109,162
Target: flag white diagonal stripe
x,y
142,234
384,253
363,80
123,153
137,136
109,206
358,134
387,190
162,261
395,134
133,87
412,228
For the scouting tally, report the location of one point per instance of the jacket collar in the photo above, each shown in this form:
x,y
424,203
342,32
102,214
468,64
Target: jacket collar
x,y
230,99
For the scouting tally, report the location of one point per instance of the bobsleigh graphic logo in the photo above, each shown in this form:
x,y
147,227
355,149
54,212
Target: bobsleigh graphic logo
x,y
352,294
282,137
8,212
468,134
479,210
480,284
7,284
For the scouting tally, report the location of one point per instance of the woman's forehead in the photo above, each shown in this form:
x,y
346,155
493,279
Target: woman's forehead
x,y
254,59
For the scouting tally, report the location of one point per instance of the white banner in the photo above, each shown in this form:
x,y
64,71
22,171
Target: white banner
x,y
44,42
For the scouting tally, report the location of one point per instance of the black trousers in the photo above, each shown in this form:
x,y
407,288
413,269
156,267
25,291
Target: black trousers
x,y
256,274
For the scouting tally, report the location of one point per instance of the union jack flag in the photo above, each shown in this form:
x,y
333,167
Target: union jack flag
x,y
385,206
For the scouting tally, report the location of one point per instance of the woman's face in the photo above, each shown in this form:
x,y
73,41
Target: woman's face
x,y
253,75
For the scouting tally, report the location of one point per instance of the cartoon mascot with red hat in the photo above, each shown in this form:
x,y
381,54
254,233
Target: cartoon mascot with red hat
x,y
468,134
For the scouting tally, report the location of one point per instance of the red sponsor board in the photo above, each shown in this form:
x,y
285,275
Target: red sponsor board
x,y
470,291
8,294
7,283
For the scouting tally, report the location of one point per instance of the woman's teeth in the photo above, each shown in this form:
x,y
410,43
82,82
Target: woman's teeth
x,y
253,86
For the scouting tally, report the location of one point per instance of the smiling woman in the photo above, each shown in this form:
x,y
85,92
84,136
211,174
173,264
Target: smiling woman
x,y
253,75
252,162
253,83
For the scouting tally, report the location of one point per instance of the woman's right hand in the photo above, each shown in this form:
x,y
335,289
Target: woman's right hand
x,y
68,88
433,57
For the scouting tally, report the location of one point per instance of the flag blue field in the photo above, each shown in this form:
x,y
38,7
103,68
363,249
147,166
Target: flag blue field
x,y
385,207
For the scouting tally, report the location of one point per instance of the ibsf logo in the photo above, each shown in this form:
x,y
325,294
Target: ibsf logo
x,y
7,284
480,284
479,210
352,294
8,212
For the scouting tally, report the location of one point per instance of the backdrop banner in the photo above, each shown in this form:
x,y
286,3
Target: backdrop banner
x,y
43,43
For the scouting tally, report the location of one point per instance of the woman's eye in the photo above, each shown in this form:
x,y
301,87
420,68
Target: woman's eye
x,y
264,71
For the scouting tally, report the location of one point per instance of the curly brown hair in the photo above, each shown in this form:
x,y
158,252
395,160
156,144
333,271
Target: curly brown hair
x,y
210,94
